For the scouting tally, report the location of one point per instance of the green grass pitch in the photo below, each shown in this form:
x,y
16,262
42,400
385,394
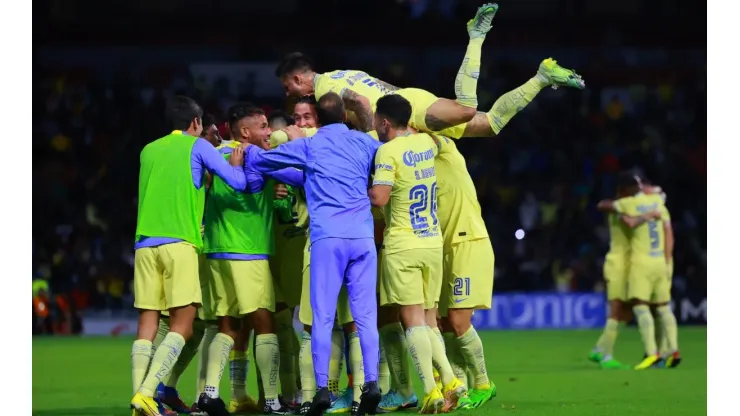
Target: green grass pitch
x,y
537,373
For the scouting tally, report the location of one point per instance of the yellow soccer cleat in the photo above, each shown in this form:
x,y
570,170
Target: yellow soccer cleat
x,y
433,403
246,405
559,76
437,379
452,392
144,406
647,362
480,24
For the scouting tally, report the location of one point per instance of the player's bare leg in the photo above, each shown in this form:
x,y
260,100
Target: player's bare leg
x,y
602,353
549,74
447,113
452,387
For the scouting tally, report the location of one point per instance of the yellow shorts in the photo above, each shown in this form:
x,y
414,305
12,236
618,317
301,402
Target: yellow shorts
x,y
305,312
239,287
166,277
648,281
287,268
663,293
411,277
205,312
420,101
616,270
468,276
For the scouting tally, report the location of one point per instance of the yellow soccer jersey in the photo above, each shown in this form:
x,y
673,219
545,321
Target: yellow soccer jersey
x,y
349,79
619,236
407,164
646,240
459,211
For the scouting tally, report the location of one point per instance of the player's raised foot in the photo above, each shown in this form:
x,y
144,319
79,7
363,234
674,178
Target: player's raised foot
x,y
245,405
558,76
481,395
437,379
612,364
171,398
369,399
343,404
480,24
432,403
394,401
321,402
212,406
452,392
647,362
595,356
146,406
673,360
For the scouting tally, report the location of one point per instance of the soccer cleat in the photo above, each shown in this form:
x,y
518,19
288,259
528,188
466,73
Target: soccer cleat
x,y
595,356
282,410
214,407
673,360
292,405
480,24
343,404
146,406
465,403
481,396
437,379
355,409
433,403
647,362
246,405
558,76
612,364
394,401
369,399
321,402
452,392
304,408
170,397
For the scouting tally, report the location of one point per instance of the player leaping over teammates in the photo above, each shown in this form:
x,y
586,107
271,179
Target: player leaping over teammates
x,y
453,118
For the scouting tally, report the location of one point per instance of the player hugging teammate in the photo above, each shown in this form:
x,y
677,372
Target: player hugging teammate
x,y
223,249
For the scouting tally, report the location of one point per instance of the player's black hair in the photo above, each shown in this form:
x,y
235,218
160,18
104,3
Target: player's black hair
x,y
280,115
627,179
330,109
292,63
240,111
394,108
307,99
181,111
208,120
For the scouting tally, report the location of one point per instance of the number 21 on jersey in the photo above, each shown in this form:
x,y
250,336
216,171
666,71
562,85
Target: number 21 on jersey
x,y
424,199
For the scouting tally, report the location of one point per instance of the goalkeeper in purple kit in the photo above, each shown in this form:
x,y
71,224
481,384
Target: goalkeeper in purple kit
x,y
337,163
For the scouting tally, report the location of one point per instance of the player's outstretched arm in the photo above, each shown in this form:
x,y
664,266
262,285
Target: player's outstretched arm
x,y
288,155
633,222
606,205
361,107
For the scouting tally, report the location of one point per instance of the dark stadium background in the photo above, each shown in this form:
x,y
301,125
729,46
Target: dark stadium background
x,y
102,71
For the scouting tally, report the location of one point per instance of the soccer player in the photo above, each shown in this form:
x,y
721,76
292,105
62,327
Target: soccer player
x,y
405,185
170,212
278,120
337,164
238,240
645,215
304,112
455,119
210,130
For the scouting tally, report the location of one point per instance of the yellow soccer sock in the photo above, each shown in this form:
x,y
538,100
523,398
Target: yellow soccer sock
x,y
659,334
238,370
471,349
439,356
162,330
141,356
210,333
336,360
457,362
189,351
646,325
286,338
466,81
164,359
296,360
308,378
608,337
420,349
267,356
218,356
396,350
512,102
357,367
670,328
384,373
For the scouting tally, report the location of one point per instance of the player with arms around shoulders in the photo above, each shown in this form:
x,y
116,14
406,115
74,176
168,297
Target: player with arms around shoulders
x,y
405,186
645,215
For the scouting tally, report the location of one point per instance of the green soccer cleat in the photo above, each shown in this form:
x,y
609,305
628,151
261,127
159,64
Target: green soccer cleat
x,y
465,403
612,364
595,356
479,397
559,76
479,25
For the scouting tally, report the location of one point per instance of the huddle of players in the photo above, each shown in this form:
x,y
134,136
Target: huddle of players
x,y
428,254
638,270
